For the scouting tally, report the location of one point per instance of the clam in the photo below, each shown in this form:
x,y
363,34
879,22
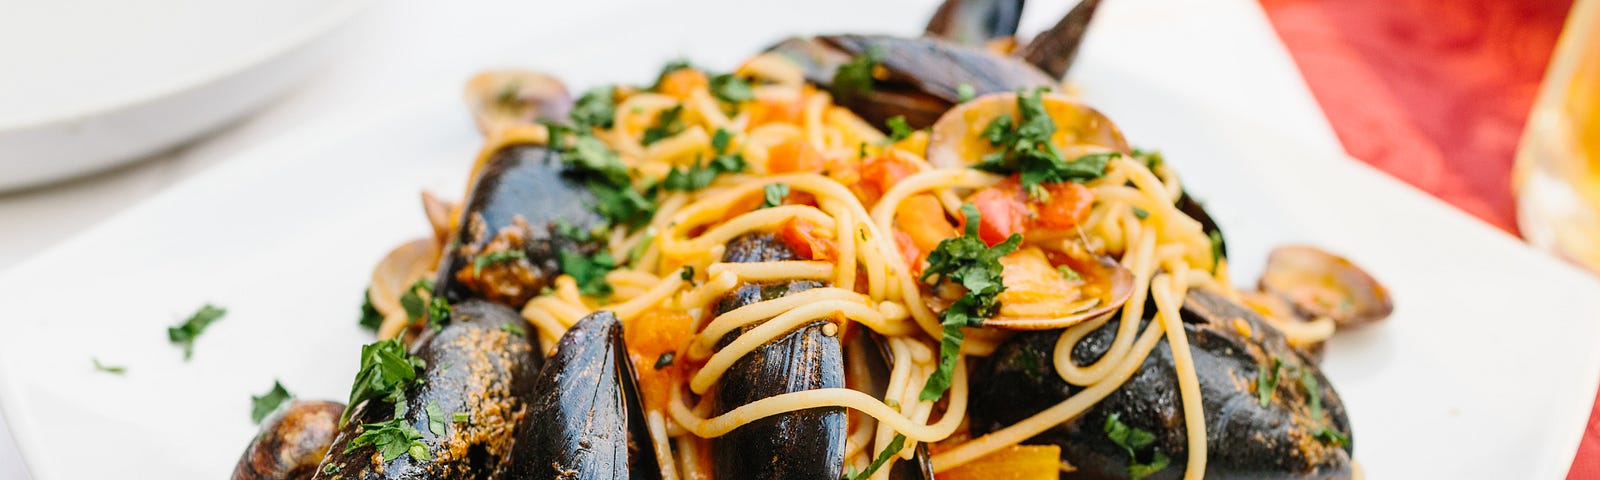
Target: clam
x,y
1319,284
957,138
503,98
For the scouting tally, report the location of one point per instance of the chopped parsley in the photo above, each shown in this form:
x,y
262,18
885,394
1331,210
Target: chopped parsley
x,y
1068,273
1267,381
438,312
460,417
1217,253
1141,213
497,256
263,405
386,370
775,193
894,447
391,438
687,274
436,420
965,92
731,89
330,469
854,77
975,265
669,122
665,360
1026,149
622,204
589,272
1326,432
184,334
590,155
699,175
1133,440
370,318
898,128
111,369
1150,158
416,308
512,328
644,244
595,109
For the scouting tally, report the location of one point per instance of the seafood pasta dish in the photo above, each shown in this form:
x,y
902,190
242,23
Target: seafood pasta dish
x,y
849,257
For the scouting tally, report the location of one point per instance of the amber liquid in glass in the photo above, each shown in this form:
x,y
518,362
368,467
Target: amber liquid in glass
x,y
1557,177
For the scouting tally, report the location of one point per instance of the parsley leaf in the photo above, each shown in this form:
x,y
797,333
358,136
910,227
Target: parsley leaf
x,y
1150,158
391,438
412,302
596,108
263,405
461,417
775,193
1327,433
184,334
111,369
898,128
1026,148
669,122
644,244
590,155
1133,440
731,89
855,77
975,265
590,273
965,92
512,328
894,447
370,318
1068,273
436,420
1267,381
1217,255
622,205
386,370
494,257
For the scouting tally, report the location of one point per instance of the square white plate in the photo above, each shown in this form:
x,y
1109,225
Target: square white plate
x,y
1486,370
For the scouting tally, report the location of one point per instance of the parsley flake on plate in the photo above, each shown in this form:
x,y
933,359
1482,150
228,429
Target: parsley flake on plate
x,y
263,405
184,334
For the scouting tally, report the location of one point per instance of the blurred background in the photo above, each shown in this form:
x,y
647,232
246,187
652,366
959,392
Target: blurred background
x,y
1490,106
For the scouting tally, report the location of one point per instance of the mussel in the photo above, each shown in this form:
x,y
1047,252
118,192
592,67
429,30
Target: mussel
x,y
1298,429
291,443
802,444
586,420
480,368
975,22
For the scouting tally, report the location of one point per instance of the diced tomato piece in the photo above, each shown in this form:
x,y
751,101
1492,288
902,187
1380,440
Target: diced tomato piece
x,y
1068,205
649,336
1004,211
922,218
881,172
808,241
682,82
777,109
794,155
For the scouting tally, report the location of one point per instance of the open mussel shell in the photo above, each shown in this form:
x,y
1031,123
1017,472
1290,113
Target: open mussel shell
x,y
1106,287
869,364
291,442
957,139
1232,347
1320,284
975,22
503,98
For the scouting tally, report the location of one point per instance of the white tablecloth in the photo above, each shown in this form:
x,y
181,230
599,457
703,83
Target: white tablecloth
x,y
1219,52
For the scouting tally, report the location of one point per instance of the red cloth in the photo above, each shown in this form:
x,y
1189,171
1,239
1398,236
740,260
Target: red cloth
x,y
1435,93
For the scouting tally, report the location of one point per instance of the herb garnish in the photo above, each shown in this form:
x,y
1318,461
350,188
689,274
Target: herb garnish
x,y
730,88
330,469
391,438
436,421
512,328
263,405
855,76
370,318
1026,148
1133,440
460,417
775,193
975,265
386,371
1150,158
497,256
1068,273
596,108
1325,432
1141,213
111,369
416,308
1217,255
1267,381
185,333
699,175
894,447
669,122
687,274
965,92
898,128
644,244
589,272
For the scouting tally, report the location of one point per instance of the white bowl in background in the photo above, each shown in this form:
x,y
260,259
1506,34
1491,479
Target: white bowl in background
x,y
88,84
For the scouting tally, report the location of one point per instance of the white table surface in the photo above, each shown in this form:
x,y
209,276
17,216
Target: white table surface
x,y
1222,53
